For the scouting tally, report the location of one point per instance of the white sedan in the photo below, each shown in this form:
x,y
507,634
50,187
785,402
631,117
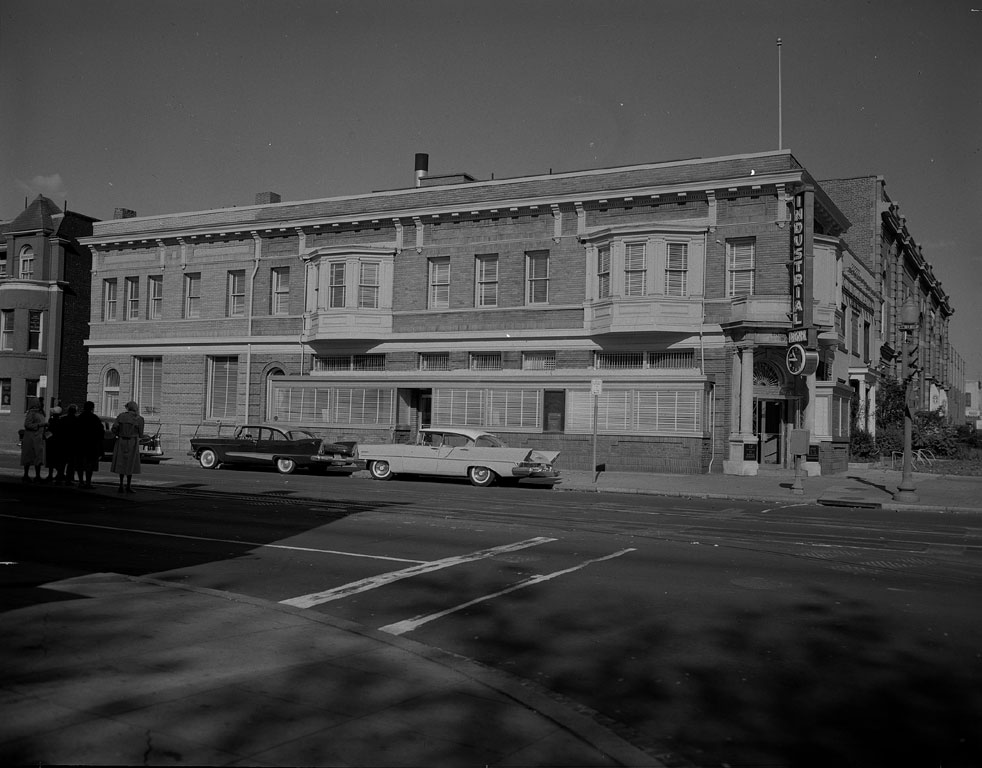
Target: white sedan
x,y
481,457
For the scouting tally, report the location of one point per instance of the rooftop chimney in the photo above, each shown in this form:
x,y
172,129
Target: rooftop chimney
x,y
422,166
123,213
266,198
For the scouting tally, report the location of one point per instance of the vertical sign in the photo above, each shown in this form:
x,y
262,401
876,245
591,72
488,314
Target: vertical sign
x,y
802,240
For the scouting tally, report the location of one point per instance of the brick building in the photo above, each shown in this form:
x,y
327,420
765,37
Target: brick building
x,y
648,304
881,240
44,309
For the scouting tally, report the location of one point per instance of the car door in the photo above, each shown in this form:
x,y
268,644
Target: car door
x,y
243,448
270,442
424,456
455,454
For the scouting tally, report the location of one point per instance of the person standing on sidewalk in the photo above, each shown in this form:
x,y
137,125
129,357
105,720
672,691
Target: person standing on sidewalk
x,y
89,435
69,442
32,445
54,446
128,429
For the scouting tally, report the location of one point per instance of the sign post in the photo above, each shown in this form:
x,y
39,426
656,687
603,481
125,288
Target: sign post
x,y
596,389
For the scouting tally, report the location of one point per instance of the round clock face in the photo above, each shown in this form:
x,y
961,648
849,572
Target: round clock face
x,y
795,359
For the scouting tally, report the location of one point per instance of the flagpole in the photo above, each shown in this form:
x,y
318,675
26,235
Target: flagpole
x,y
780,127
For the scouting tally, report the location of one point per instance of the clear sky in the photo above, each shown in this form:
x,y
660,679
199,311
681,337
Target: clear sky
x,y
172,105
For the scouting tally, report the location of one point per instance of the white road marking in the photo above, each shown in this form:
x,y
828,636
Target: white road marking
x,y
402,627
240,542
373,582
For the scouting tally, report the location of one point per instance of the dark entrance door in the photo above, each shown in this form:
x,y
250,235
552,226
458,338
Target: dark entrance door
x,y
770,431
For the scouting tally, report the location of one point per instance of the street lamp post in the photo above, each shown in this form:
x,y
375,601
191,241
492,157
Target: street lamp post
x,y
910,321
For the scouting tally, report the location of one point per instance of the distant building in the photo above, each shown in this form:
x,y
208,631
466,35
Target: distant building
x,y
44,309
973,403
880,238
649,305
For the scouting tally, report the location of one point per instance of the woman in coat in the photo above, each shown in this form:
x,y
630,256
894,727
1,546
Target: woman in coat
x,y
128,429
32,445
89,435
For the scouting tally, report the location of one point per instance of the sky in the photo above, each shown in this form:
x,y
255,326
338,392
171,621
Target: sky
x,y
163,106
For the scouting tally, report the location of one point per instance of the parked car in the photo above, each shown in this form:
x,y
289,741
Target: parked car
x,y
481,457
151,450
262,444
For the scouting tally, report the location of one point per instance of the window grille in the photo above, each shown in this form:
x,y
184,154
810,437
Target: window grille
x,y
635,269
485,361
538,361
434,361
677,270
741,262
374,362
672,360
618,360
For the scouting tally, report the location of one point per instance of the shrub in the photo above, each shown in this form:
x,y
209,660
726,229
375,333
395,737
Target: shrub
x,y
862,446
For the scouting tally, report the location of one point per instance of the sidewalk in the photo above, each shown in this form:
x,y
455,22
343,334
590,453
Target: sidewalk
x,y
210,678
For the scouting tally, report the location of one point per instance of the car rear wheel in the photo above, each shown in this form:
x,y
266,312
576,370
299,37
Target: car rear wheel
x,y
481,476
208,459
381,470
285,466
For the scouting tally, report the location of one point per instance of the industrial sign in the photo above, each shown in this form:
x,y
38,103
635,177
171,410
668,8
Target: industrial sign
x,y
798,276
800,361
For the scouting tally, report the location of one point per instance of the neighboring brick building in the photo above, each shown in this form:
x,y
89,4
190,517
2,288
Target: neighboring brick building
x,y
656,296
881,240
44,309
973,403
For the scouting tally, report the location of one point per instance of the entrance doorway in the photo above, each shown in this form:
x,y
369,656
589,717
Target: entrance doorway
x,y
770,422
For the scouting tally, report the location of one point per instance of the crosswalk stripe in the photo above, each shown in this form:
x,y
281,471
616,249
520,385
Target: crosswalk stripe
x,y
373,582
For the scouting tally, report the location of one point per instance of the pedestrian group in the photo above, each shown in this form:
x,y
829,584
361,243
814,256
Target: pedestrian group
x,y
69,444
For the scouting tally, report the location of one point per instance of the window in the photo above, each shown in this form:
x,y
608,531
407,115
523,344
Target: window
x,y
109,300
617,360
223,381
866,342
672,361
235,299
485,361
487,280
27,263
538,361
155,297
368,285
132,298
7,329
538,277
603,272
110,392
3,265
440,283
635,269
434,361
35,335
740,264
854,333
279,287
492,408
631,411
32,388
5,395
337,285
375,362
332,405
149,372
676,270
192,295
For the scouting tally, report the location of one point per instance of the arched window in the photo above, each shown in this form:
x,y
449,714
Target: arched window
x,y
110,393
26,263
270,405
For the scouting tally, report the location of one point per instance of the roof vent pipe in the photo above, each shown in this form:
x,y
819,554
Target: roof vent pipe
x,y
422,166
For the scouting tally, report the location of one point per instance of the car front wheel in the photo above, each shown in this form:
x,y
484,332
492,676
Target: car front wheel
x,y
381,470
285,466
208,459
481,476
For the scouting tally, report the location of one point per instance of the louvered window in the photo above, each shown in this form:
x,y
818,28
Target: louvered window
x,y
741,263
368,285
514,408
223,388
363,406
603,272
458,407
635,269
636,411
677,270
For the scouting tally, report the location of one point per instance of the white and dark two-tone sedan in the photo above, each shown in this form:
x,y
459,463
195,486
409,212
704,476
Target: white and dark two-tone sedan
x,y
481,457
261,444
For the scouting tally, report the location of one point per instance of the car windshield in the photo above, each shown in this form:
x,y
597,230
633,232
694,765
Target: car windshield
x,y
487,440
301,434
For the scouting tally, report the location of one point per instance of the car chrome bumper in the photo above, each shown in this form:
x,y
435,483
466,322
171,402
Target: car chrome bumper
x,y
333,461
535,473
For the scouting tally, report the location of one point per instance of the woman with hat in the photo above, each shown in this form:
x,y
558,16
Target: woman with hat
x,y
128,429
32,444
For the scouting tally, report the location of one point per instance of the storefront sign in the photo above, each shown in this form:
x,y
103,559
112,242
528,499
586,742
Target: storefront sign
x,y
798,336
798,273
